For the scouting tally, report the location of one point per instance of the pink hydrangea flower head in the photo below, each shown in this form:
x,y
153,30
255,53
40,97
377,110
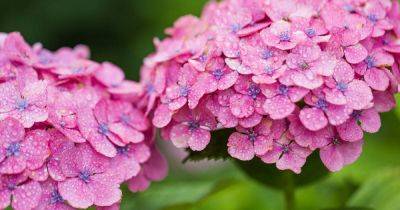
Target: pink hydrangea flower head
x,y
322,70
71,130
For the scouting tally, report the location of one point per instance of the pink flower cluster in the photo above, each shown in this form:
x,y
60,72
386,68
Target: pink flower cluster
x,y
70,133
291,76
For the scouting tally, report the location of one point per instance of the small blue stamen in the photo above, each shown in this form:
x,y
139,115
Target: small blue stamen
x,y
84,176
284,37
55,197
218,73
370,61
254,90
341,86
373,18
103,129
22,104
193,125
13,149
267,54
310,32
122,150
235,27
183,91
283,90
269,70
321,104
356,114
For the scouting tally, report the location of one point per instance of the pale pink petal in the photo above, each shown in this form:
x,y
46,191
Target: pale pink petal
x,y
138,183
105,191
36,149
27,196
335,96
77,193
376,79
370,120
338,114
162,116
313,119
180,135
355,54
350,131
279,107
358,95
240,146
241,105
156,168
127,134
199,139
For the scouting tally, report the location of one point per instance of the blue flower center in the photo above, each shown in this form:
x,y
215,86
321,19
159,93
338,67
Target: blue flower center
x,y
235,27
218,73
203,58
13,149
283,90
103,129
84,176
335,141
304,66
252,135
341,86
284,36
253,91
373,18
22,104
269,70
77,70
122,150
310,32
11,186
184,91
285,149
267,54
370,61
193,125
55,197
356,114
321,104
150,88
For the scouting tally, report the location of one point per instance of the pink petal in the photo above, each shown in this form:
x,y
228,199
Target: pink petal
x,y
355,54
279,107
27,196
241,105
358,95
180,135
199,139
127,134
335,96
263,144
77,193
350,131
240,146
162,116
338,114
105,191
313,119
370,120
36,148
156,168
376,79
138,183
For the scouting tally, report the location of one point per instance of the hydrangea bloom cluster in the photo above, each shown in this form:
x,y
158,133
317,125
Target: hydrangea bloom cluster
x,y
292,77
70,133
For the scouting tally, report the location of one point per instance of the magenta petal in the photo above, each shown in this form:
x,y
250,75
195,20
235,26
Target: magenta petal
x,y
102,145
27,196
335,96
358,94
370,120
241,105
292,162
180,135
105,192
279,107
156,168
127,134
199,139
263,144
313,119
36,148
13,165
77,193
162,116
376,79
350,131
5,199
138,183
240,147
355,54
338,114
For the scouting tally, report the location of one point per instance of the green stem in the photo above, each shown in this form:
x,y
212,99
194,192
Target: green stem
x,y
289,191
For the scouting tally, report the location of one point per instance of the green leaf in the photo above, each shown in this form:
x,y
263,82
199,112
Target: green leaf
x,y
381,191
349,208
270,176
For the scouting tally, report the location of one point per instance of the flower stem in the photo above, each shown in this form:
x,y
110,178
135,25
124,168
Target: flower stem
x,y
289,191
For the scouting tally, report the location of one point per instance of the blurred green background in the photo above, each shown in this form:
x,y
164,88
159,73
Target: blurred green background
x,y
121,31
